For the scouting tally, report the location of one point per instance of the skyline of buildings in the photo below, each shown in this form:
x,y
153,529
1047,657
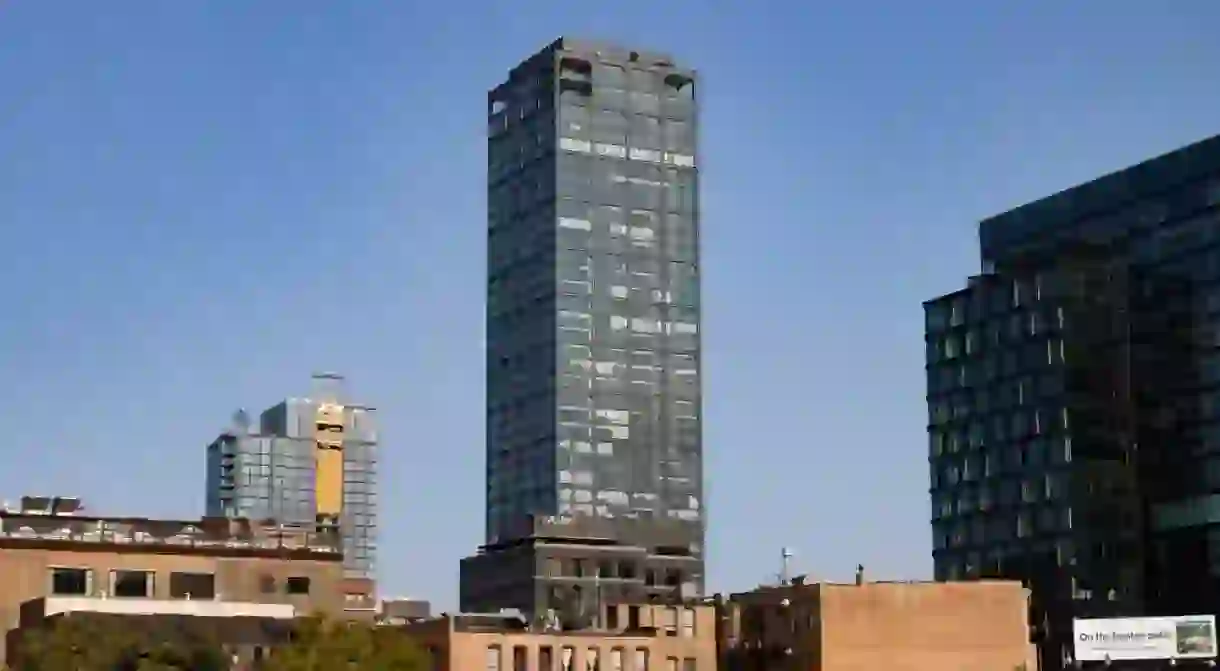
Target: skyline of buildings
x,y
241,587
1074,400
308,462
1073,384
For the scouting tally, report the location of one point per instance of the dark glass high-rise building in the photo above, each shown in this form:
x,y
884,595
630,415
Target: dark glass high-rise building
x,y
593,314
1074,400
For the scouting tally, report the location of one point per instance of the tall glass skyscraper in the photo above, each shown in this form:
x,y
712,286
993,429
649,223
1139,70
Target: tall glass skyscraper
x,y
305,462
593,305
1074,400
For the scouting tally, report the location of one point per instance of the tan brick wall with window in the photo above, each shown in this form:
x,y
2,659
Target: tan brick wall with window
x,y
684,648
964,626
27,575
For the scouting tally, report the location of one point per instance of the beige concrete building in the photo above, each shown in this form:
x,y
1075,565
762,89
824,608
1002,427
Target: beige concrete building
x,y
50,548
625,638
897,626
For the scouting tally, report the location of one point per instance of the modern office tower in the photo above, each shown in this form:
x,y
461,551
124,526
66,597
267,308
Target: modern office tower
x,y
1074,400
306,462
593,317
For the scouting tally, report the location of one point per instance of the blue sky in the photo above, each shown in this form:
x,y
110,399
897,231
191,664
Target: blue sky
x,y
203,202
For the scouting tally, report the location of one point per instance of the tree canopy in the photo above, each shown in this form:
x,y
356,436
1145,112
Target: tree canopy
x,y
314,644
326,645
106,644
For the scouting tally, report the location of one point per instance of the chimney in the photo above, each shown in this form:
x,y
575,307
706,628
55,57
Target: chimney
x,y
859,574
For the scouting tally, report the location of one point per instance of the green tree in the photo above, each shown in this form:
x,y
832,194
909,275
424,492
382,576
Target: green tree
x,y
71,644
319,644
110,644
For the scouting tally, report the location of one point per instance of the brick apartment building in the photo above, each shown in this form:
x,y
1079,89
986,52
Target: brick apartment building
x,y
645,637
53,553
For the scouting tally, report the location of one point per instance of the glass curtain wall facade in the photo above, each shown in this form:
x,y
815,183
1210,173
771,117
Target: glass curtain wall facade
x,y
1073,420
267,477
593,323
1030,445
305,462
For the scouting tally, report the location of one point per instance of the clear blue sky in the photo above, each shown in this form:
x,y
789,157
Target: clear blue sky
x,y
203,202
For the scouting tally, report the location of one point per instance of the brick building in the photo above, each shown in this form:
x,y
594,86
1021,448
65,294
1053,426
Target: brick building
x,y
51,549
898,626
645,637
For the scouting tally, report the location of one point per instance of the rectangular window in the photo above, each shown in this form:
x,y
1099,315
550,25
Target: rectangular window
x,y
520,658
671,664
645,131
71,581
592,662
1024,525
266,584
192,586
678,136
688,622
688,664
641,659
569,658
297,585
610,127
669,616
616,659
131,584
546,658
610,75
492,662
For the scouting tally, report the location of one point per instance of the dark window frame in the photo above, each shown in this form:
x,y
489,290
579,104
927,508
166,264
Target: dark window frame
x,y
297,585
183,584
56,571
119,582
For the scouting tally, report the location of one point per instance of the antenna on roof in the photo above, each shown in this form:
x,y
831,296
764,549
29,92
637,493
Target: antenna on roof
x,y
785,555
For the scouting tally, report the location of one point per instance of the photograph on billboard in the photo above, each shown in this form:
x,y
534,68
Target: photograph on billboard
x,y
1132,638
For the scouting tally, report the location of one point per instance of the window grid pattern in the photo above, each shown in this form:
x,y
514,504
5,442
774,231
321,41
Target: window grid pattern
x,y
269,473
1074,399
593,369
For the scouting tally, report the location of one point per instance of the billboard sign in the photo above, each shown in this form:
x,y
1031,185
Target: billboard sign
x,y
1131,638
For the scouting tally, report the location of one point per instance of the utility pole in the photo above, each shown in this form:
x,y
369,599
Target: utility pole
x,y
785,557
